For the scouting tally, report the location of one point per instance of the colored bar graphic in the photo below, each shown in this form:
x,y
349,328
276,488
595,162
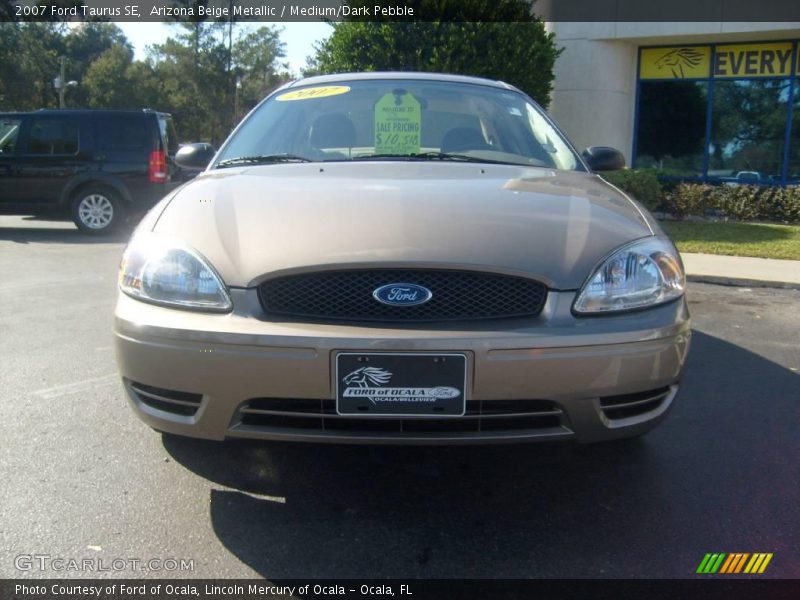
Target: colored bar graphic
x,y
735,562
754,563
711,563
740,564
767,558
703,564
726,566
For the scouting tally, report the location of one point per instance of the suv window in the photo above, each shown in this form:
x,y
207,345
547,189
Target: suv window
x,y
53,136
123,132
168,135
9,130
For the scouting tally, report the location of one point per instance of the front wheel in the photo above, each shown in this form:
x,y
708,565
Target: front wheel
x,y
97,211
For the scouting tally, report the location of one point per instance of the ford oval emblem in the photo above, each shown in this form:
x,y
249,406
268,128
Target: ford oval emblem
x,y
402,294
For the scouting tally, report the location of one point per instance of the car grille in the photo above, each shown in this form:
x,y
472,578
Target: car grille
x,y
457,295
171,401
633,405
286,414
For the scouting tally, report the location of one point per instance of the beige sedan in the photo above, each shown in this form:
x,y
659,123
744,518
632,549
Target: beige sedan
x,y
400,258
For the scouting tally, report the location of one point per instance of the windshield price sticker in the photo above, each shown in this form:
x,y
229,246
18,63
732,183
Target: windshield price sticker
x,y
313,93
397,124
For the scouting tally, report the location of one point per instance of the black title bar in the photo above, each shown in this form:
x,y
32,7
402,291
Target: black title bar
x,y
277,11
716,588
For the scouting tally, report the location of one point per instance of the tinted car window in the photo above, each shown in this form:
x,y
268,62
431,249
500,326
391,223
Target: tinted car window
x,y
121,132
9,131
168,134
53,136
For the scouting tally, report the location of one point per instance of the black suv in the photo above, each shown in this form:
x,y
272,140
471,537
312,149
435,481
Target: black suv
x,y
98,166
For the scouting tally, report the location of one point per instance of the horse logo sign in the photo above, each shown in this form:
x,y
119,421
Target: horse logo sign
x,y
677,59
676,62
365,376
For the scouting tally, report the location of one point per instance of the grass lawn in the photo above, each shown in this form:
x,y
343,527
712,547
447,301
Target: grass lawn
x,y
737,239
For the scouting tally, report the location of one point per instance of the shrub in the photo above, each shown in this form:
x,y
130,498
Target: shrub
x,y
781,204
641,184
737,202
742,202
689,199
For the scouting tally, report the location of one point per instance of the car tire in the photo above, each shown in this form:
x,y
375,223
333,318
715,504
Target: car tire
x,y
97,210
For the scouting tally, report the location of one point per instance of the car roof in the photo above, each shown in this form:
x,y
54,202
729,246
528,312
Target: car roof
x,y
383,75
84,111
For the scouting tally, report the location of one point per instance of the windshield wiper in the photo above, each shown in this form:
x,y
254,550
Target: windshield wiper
x,y
262,159
431,156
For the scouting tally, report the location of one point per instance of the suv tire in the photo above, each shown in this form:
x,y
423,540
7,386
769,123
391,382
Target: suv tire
x,y
97,210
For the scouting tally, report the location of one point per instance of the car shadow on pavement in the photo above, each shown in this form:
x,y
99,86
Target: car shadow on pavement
x,y
61,235
640,508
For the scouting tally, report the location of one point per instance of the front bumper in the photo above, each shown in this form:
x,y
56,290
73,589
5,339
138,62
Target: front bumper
x,y
553,377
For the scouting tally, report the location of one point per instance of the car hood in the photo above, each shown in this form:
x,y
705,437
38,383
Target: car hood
x,y
254,222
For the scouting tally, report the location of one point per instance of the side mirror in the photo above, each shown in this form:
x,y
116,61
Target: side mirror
x,y
603,158
195,156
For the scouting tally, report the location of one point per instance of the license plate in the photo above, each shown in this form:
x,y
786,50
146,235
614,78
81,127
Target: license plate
x,y
400,384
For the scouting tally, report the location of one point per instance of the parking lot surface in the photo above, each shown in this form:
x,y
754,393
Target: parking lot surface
x,y
83,478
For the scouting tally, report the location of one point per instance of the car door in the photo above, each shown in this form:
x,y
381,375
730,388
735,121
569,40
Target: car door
x,y
48,156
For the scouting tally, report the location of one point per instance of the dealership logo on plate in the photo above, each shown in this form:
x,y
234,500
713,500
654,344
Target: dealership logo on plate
x,y
372,383
402,294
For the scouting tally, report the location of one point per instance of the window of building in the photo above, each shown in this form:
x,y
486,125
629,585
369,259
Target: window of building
x,y
672,126
748,129
793,170
719,112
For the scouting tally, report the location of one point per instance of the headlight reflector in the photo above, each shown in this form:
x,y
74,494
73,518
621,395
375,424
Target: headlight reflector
x,y
165,271
638,275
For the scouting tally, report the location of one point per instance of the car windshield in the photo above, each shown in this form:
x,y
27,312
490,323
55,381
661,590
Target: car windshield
x,y
415,120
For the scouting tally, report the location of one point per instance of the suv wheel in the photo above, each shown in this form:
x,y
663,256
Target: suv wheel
x,y
96,210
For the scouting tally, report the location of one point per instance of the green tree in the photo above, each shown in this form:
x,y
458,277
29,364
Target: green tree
x,y
198,70
191,69
30,60
499,39
85,44
257,67
193,74
107,83
28,65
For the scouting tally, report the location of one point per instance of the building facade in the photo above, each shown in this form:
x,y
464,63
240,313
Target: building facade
x,y
706,101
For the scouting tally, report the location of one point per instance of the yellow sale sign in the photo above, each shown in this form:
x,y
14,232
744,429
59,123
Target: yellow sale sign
x,y
679,62
724,61
753,60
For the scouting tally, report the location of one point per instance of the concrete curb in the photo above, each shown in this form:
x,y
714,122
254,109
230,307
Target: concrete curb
x,y
741,282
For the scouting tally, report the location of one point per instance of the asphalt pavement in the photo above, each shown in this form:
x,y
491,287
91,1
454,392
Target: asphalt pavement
x,y
84,479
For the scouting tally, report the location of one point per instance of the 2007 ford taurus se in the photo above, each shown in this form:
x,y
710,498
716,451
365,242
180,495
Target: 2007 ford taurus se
x,y
400,258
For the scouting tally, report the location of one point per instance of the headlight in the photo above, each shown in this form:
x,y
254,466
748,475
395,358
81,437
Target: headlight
x,y
163,270
638,275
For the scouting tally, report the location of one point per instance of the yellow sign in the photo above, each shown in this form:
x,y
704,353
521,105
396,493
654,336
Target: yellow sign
x,y
678,62
398,124
753,60
314,92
